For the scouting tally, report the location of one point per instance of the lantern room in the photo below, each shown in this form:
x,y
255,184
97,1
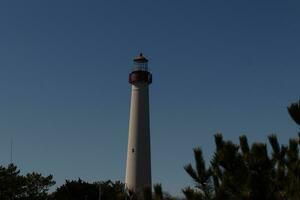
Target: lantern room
x,y
140,72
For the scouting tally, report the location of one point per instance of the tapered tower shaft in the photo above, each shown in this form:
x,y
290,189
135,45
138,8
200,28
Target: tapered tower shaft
x,y
138,168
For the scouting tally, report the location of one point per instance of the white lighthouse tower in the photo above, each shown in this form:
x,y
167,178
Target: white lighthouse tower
x,y
138,168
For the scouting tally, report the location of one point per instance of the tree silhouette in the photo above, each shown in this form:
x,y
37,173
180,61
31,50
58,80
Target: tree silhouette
x,y
294,111
79,189
201,177
14,186
240,172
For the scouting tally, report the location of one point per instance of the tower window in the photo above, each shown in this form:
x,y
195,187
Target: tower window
x,y
132,150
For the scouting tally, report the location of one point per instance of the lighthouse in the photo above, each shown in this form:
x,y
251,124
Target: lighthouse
x,y
138,166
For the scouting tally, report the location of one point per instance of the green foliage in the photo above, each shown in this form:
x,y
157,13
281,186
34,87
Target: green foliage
x,y
11,183
33,186
81,190
238,172
37,186
78,190
192,194
200,175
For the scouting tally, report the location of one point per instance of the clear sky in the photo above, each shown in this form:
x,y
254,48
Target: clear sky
x,y
218,66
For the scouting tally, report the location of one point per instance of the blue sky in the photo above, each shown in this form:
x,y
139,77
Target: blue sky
x,y
230,67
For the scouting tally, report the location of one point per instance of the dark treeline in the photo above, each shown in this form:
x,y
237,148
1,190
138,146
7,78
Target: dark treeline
x,y
35,186
32,186
235,172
